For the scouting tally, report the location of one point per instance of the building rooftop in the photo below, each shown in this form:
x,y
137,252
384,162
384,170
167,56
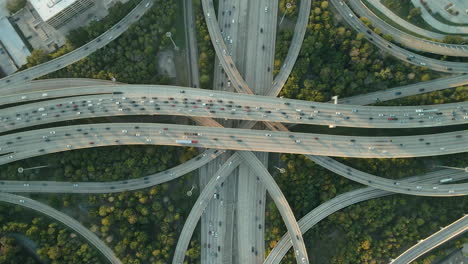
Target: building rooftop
x,y
13,43
49,8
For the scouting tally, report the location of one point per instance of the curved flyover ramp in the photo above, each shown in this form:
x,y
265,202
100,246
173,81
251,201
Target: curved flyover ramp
x,y
456,228
63,218
346,199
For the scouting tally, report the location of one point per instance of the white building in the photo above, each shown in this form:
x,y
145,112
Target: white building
x,y
58,12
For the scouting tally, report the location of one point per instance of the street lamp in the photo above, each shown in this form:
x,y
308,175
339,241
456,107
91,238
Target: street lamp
x,y
453,168
281,170
189,193
169,35
335,101
21,169
288,5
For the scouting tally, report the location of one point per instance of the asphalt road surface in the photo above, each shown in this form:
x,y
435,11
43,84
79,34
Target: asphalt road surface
x,y
142,100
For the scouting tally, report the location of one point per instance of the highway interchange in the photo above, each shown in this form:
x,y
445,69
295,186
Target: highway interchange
x,y
394,50
17,146
406,39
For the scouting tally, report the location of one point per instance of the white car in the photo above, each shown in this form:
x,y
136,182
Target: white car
x,y
266,9
147,5
26,184
21,201
75,185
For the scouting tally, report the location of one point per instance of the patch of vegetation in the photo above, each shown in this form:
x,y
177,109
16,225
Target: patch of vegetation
x,y
14,6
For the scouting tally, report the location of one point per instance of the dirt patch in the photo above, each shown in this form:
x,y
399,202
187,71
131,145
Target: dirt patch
x,y
165,63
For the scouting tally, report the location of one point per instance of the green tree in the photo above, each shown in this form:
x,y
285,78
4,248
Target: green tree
x,y
15,5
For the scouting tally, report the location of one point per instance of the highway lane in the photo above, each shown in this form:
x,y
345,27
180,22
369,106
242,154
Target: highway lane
x,y
221,49
259,46
39,142
405,24
282,205
379,182
399,53
234,24
213,219
254,57
29,151
228,64
250,226
65,219
456,228
407,90
191,39
141,100
81,52
368,98
387,184
294,49
406,39
52,84
112,186
199,207
346,199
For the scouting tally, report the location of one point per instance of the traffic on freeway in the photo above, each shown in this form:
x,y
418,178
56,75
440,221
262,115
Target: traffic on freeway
x,y
39,142
142,100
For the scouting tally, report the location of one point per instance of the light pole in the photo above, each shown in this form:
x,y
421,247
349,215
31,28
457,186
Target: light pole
x,y
335,101
281,170
21,169
189,193
288,5
453,168
169,35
